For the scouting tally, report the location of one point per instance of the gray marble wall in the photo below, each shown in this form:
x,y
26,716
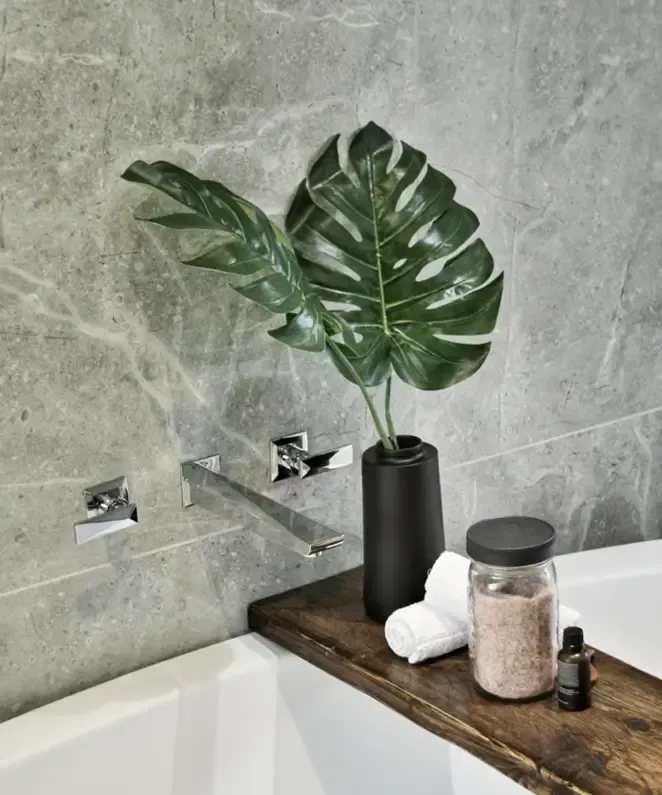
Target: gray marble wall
x,y
114,359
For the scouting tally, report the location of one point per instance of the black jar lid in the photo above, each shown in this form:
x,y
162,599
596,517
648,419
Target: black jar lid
x,y
511,541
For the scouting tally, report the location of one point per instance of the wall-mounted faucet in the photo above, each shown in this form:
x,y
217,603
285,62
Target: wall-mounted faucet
x,y
108,510
204,484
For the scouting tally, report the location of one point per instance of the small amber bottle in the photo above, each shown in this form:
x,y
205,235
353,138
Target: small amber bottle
x,y
573,684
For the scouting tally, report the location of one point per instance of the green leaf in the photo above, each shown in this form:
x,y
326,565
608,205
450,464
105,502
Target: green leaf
x,y
428,362
272,292
182,221
224,258
364,233
369,359
303,331
247,243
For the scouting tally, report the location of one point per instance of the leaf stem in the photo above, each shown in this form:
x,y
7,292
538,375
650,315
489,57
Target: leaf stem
x,y
389,418
385,438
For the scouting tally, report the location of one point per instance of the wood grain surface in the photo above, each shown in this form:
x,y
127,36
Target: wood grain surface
x,y
614,748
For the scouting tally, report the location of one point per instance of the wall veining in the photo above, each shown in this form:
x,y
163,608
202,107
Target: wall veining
x,y
114,359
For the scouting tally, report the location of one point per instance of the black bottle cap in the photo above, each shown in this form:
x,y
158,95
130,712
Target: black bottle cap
x,y
511,541
573,638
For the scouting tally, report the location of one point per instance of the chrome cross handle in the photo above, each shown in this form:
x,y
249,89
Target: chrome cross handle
x,y
289,457
108,511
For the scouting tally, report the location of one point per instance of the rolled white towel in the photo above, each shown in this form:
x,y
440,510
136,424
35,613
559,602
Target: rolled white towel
x,y
439,624
447,585
420,632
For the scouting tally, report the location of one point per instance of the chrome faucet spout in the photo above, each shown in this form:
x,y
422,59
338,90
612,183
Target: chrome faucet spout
x,y
204,484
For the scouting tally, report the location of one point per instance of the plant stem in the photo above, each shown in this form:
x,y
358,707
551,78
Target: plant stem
x,y
389,419
386,441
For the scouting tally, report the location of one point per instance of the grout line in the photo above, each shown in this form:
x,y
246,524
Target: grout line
x,y
109,564
560,437
187,542
51,482
53,581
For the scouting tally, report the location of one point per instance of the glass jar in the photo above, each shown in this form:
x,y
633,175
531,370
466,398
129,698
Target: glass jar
x,y
513,608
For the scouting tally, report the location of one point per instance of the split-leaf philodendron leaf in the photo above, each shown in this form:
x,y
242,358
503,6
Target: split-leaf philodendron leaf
x,y
247,244
379,266
364,232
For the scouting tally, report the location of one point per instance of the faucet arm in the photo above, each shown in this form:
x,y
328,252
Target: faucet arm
x,y
204,485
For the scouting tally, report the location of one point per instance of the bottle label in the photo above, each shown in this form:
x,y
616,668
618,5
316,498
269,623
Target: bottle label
x,y
573,685
568,675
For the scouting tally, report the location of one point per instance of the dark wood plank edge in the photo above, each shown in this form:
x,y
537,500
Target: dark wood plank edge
x,y
518,767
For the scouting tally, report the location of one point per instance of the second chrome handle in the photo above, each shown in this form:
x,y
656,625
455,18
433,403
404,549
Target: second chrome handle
x,y
290,457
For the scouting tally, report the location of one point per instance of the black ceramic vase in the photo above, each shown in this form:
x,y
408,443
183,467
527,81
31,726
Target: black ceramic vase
x,y
403,529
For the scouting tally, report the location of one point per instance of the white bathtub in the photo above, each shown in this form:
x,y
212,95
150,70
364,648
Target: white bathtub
x,y
618,592
239,718
245,718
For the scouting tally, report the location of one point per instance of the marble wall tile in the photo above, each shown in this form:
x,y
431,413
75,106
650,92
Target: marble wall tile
x,y
74,407
465,50
648,430
115,359
59,60
598,488
585,320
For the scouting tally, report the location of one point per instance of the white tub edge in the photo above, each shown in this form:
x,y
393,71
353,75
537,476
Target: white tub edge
x,y
132,694
641,557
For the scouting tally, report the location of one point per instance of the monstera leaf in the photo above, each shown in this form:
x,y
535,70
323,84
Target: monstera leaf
x,y
246,243
365,234
380,265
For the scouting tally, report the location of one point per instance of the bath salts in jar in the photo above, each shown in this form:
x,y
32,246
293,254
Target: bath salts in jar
x,y
513,608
